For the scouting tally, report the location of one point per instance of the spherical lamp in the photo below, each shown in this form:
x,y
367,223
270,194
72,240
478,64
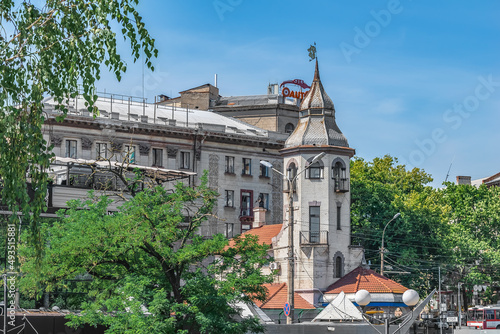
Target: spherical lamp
x,y
362,297
410,297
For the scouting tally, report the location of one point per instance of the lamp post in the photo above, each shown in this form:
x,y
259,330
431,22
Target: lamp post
x,y
382,249
410,298
291,259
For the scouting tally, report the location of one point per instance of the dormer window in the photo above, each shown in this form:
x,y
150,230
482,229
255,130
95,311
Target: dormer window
x,y
289,128
315,171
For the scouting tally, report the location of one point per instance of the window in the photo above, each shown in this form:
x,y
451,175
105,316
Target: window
x,y
101,150
263,200
315,171
338,217
229,230
185,160
246,203
229,169
314,224
129,153
338,266
291,174
292,171
340,177
230,198
289,128
247,167
71,149
264,171
490,315
157,157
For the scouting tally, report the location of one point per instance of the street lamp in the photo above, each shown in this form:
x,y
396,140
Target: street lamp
x,y
382,248
410,298
291,260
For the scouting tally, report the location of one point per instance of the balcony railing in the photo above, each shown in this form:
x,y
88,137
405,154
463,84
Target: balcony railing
x,y
341,185
314,238
246,213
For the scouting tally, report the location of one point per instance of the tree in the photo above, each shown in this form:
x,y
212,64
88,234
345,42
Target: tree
x,y
379,190
51,51
472,241
151,272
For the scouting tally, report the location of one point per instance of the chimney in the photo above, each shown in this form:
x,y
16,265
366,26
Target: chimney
x,y
259,215
463,180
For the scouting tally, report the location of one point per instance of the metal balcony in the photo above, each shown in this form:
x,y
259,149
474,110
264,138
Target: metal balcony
x,y
341,185
314,238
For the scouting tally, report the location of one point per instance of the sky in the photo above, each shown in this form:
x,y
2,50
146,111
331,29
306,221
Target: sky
x,y
415,79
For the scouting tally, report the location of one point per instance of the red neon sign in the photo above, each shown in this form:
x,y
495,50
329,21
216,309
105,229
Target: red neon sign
x,y
286,92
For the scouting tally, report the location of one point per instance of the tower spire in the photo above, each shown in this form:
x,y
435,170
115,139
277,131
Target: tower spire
x,y
317,124
316,72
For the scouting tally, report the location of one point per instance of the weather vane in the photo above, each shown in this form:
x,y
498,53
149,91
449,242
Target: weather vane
x,y
312,52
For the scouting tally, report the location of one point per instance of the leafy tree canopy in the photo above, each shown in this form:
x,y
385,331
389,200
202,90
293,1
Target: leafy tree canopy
x,y
382,188
472,242
455,227
151,271
51,50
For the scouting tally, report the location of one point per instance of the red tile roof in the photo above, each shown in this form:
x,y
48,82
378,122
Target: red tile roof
x,y
265,233
365,279
277,296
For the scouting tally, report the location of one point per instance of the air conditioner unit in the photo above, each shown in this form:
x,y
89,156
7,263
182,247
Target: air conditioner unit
x,y
274,265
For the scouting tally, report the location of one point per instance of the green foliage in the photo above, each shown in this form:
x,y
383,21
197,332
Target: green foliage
x,y
52,50
151,270
456,227
472,242
382,188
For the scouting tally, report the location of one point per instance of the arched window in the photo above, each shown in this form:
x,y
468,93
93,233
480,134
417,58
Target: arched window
x,y
292,170
291,173
338,266
339,175
289,127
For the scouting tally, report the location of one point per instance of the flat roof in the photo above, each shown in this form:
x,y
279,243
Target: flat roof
x,y
119,107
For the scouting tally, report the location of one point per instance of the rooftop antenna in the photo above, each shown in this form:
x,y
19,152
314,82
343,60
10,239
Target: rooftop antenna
x,y
448,174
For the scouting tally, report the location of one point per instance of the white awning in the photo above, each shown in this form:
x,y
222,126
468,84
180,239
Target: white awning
x,y
341,308
153,172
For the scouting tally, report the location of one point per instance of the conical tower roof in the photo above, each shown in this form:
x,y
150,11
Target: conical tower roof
x,y
317,124
317,97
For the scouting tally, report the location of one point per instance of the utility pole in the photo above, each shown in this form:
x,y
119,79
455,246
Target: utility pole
x,y
459,307
291,258
440,319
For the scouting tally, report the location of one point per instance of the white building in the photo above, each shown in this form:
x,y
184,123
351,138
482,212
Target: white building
x,y
321,202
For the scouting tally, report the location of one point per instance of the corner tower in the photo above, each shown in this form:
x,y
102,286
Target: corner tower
x,y
321,198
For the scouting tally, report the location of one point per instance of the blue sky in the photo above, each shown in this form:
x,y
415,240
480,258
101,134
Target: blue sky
x,y
418,80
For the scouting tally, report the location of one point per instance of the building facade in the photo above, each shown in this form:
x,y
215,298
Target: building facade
x,y
169,140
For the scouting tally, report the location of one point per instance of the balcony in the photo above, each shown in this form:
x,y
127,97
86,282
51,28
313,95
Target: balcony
x,y
246,212
314,238
341,185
